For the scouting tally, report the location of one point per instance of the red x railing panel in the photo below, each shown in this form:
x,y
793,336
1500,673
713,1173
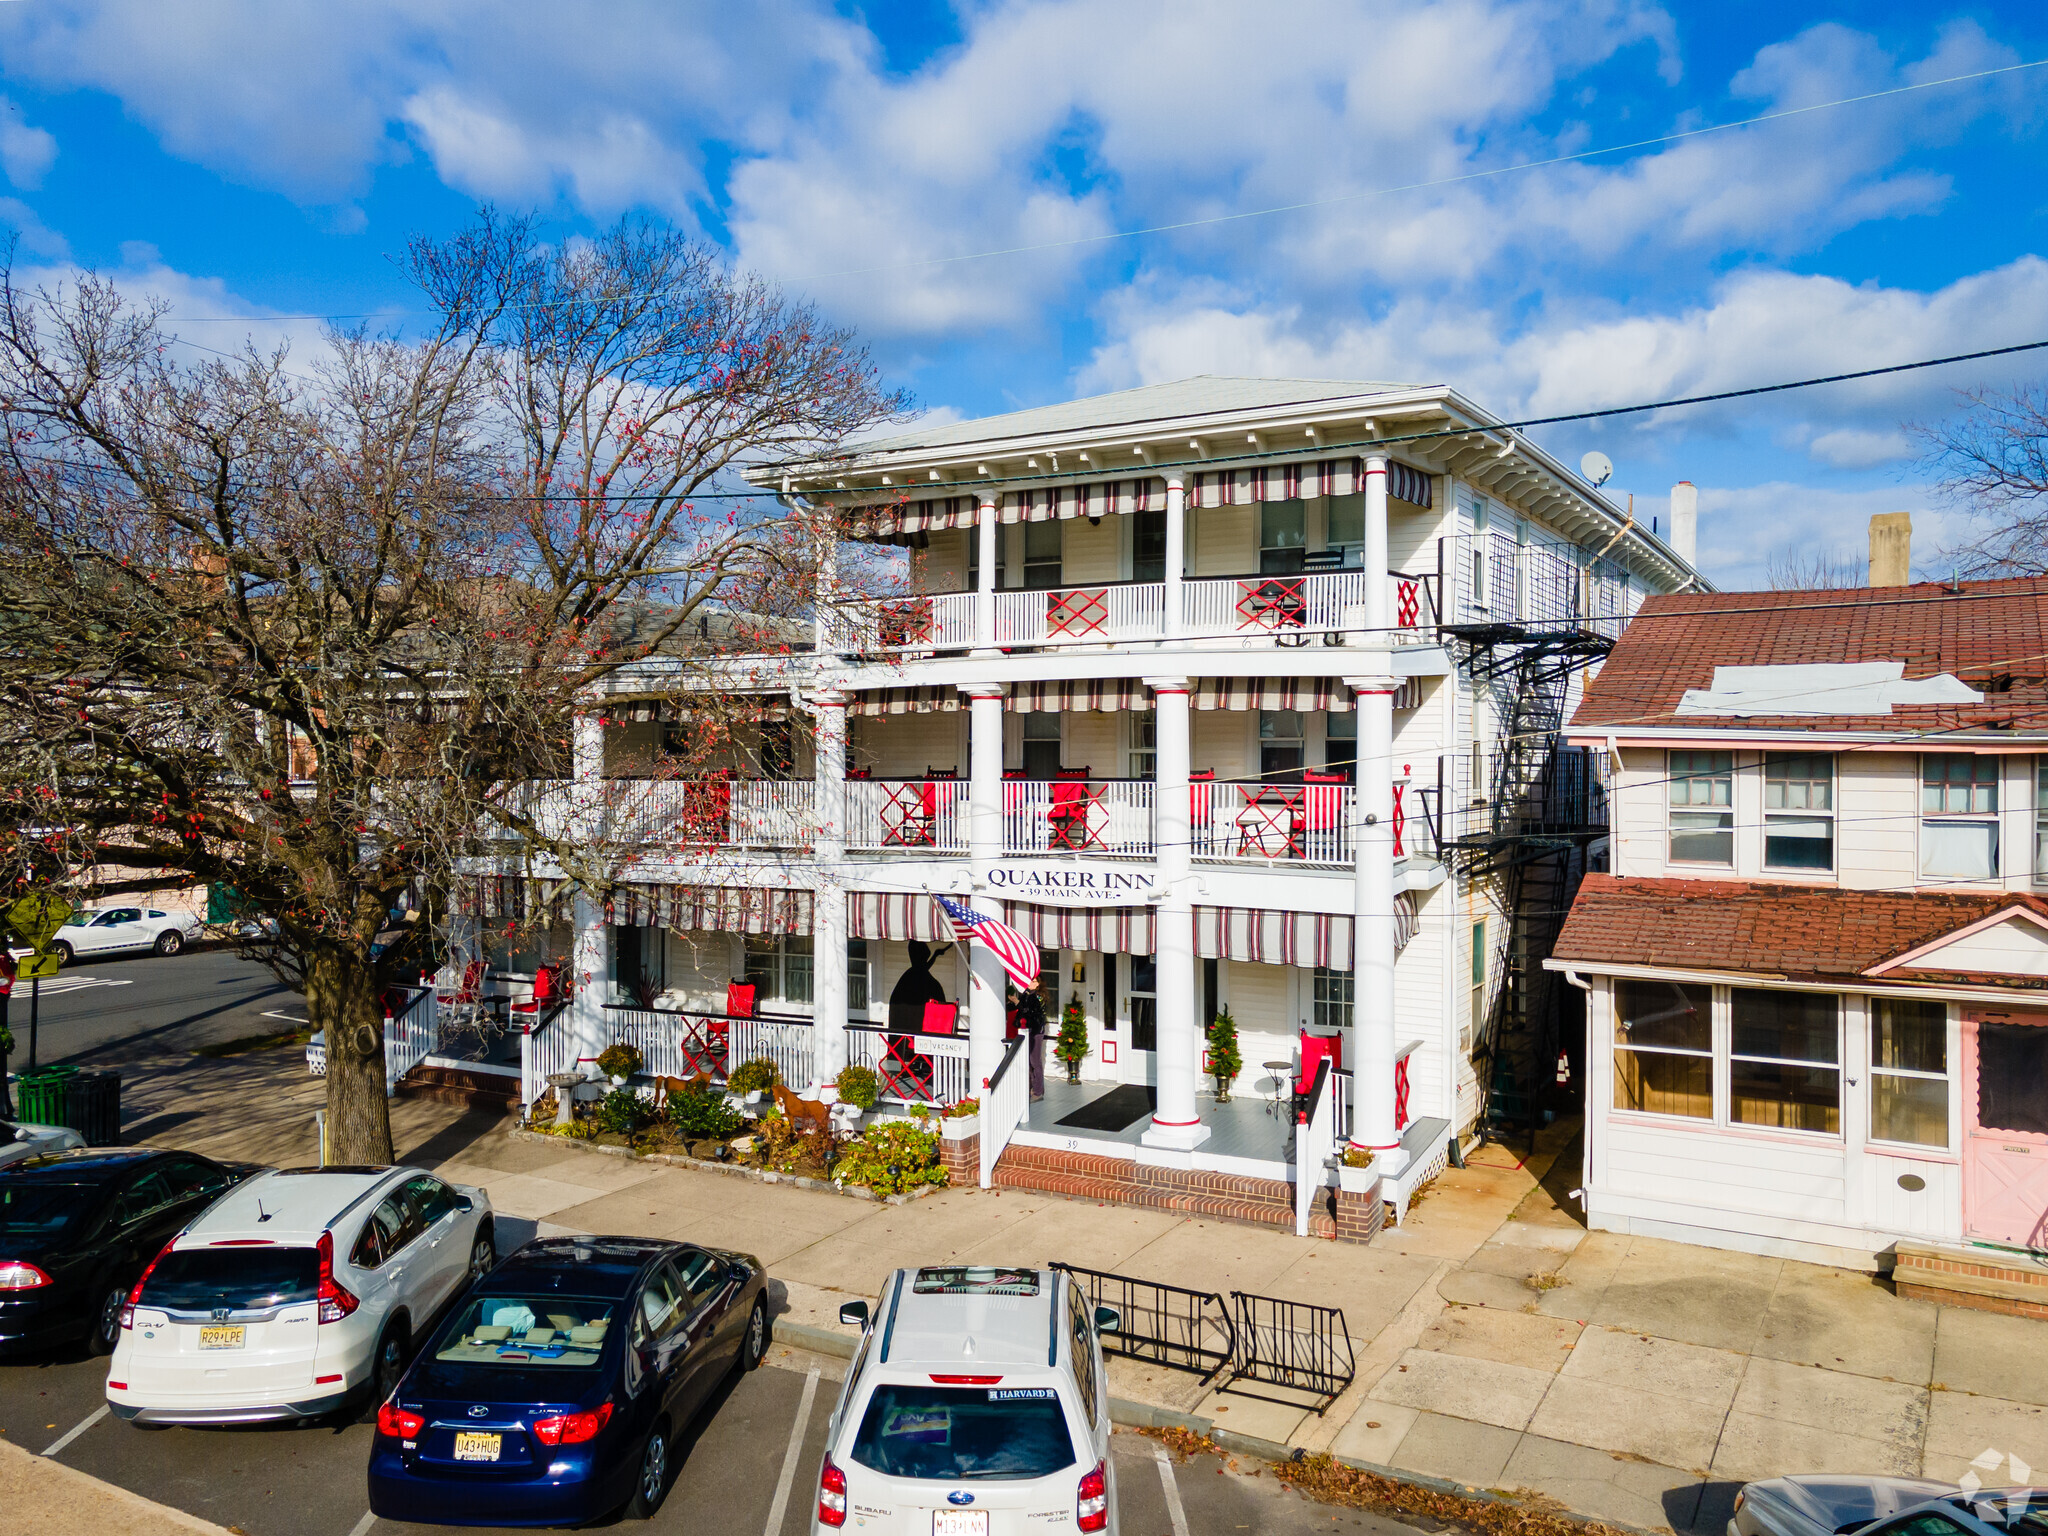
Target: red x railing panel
x,y
1083,612
1273,602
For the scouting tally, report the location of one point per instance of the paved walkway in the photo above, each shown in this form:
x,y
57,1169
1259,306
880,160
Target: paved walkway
x,y
1499,1344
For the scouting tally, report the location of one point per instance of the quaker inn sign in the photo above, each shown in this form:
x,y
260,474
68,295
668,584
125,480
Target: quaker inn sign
x,y
1076,884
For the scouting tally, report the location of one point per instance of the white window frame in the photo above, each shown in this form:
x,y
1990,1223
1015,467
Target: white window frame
x,y
1711,1055
1725,1045
1946,1148
1972,815
1690,778
1784,814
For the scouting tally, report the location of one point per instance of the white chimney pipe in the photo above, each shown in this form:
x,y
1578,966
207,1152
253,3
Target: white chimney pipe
x,y
1685,521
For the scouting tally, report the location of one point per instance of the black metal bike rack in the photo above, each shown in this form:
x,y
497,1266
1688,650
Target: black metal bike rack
x,y
1293,1344
1166,1325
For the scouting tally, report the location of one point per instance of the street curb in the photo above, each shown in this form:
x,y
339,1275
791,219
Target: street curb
x,y
731,1170
76,1500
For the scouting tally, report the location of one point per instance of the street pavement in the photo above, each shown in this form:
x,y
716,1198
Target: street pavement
x,y
99,1008
276,1481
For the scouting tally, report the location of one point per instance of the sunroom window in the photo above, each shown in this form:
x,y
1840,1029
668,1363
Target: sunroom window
x,y
1785,1056
1959,816
1909,1071
1664,1048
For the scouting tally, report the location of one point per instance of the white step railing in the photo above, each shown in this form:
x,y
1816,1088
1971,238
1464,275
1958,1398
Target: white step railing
x,y
1106,816
545,1048
888,814
1315,1142
1271,823
410,1036
915,1069
1082,615
1004,1104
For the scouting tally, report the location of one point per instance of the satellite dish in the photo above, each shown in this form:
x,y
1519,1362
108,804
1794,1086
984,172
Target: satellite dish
x,y
1597,468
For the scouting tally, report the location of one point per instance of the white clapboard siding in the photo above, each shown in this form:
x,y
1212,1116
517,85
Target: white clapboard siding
x,y
1878,830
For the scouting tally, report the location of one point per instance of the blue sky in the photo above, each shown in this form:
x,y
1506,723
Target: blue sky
x,y
253,161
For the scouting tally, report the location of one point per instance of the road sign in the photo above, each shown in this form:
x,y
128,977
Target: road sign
x,y
41,967
37,916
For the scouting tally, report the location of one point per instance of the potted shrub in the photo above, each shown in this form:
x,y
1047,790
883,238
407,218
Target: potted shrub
x,y
619,1061
1071,1046
1224,1061
751,1079
1354,1171
858,1086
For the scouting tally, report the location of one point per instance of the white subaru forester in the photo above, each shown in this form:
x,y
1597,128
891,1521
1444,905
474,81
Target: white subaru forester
x,y
296,1294
976,1406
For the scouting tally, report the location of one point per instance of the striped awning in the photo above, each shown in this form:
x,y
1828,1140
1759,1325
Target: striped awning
x,y
713,909
1265,937
1310,693
728,706
1107,498
1110,930
1101,696
889,520
895,915
905,701
513,898
1304,482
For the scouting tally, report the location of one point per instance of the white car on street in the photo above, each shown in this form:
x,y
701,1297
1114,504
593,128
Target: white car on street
x,y
297,1294
976,1406
19,1139
117,930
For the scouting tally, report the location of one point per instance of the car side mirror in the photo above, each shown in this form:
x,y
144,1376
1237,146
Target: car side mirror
x,y
464,1204
854,1313
1108,1319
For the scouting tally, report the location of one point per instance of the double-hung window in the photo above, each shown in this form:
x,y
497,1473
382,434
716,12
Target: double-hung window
x,y
1909,1071
779,968
1702,807
1799,811
1333,999
1959,816
1664,1048
2041,822
1785,1060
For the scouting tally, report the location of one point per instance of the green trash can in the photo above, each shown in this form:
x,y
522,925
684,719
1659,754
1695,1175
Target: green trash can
x,y
92,1107
40,1095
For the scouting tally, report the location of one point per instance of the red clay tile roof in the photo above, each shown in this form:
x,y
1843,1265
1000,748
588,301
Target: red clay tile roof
x,y
1991,633
1804,932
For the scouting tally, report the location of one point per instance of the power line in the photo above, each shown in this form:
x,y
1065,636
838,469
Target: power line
x,y
1214,220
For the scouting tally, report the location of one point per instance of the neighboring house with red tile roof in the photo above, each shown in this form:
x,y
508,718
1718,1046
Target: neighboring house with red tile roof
x,y
1817,971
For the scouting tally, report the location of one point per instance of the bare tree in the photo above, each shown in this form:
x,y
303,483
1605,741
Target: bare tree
x,y
1992,457
312,635
1794,570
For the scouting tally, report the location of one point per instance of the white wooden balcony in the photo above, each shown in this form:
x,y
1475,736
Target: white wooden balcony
x,y
710,811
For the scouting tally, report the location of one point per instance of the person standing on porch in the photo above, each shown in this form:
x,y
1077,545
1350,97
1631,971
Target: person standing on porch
x,y
1031,1008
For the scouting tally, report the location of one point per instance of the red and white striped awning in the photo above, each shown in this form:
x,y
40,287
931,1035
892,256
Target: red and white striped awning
x,y
1311,693
887,520
513,898
1304,482
1107,498
1102,696
712,909
897,915
1264,937
905,701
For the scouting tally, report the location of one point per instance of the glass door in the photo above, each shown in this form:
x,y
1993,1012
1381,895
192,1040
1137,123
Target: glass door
x,y
1140,1059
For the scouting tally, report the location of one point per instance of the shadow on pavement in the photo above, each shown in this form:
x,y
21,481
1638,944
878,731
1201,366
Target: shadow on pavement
x,y
475,1123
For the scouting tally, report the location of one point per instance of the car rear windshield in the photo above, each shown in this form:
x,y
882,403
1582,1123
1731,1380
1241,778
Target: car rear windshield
x,y
35,1215
525,1331
203,1279
2022,1511
950,1433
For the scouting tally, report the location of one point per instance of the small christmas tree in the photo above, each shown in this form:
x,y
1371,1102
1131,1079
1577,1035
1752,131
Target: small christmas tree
x,y
1224,1061
1071,1046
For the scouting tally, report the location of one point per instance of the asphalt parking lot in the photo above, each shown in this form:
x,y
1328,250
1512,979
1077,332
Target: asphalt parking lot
x,y
760,1439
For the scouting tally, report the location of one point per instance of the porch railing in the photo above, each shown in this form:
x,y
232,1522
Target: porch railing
x,y
887,814
1082,614
709,811
1264,823
914,1069
936,621
1315,1139
1107,816
546,1047
410,1036
1004,1104
682,1044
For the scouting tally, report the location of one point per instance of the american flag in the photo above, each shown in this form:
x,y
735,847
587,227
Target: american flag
x,y
1018,954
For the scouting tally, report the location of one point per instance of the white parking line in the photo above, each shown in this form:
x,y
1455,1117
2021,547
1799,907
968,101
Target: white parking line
x,y
289,1018
1174,1512
61,984
796,1447
76,1430
363,1525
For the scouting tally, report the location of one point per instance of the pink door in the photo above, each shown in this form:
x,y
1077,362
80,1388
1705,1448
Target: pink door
x,y
2005,1128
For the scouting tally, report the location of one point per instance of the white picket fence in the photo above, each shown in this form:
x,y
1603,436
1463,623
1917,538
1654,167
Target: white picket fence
x,y
1315,1142
1004,1104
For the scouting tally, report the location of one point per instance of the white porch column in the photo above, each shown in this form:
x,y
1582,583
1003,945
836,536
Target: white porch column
x,y
825,606
984,850
828,901
1378,609
590,958
1176,555
985,588
1370,1050
1178,1053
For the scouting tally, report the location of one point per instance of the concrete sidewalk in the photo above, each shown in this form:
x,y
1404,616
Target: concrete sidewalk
x,y
1498,1343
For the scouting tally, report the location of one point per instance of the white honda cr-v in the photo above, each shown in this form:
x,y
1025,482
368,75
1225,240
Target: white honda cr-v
x,y
976,1406
295,1295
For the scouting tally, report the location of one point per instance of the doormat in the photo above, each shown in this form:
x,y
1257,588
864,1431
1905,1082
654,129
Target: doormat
x,y
1115,1110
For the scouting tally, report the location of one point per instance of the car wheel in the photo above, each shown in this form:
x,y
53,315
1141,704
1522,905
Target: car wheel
x,y
755,1345
63,951
387,1366
483,1255
169,942
106,1325
651,1486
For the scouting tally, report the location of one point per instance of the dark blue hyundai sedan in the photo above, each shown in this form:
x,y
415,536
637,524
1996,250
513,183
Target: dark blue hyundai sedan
x,y
552,1391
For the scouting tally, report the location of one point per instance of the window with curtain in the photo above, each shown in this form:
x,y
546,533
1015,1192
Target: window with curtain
x,y
1664,1048
1702,792
1958,816
1784,1060
1909,1071
1799,811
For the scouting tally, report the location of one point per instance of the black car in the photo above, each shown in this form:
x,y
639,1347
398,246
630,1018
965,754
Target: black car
x,y
553,1390
77,1229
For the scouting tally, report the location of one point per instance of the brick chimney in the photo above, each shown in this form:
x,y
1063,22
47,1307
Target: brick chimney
x,y
1891,549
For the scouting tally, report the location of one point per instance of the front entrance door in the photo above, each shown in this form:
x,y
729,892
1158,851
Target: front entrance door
x,y
1141,1062
2005,1132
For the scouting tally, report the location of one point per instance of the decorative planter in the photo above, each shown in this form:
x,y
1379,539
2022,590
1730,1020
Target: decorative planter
x,y
1357,1181
1223,1089
960,1128
1073,1071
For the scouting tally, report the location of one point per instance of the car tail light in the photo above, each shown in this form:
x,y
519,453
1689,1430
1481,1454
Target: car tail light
x,y
1091,1505
831,1495
336,1300
20,1275
118,1386
399,1423
572,1428
135,1295
967,1381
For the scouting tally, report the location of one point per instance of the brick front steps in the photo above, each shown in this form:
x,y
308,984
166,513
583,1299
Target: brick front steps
x,y
1986,1279
455,1086
1195,1191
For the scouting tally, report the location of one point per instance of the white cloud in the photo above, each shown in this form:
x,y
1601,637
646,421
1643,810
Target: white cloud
x,y
1860,448
25,150
1742,528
